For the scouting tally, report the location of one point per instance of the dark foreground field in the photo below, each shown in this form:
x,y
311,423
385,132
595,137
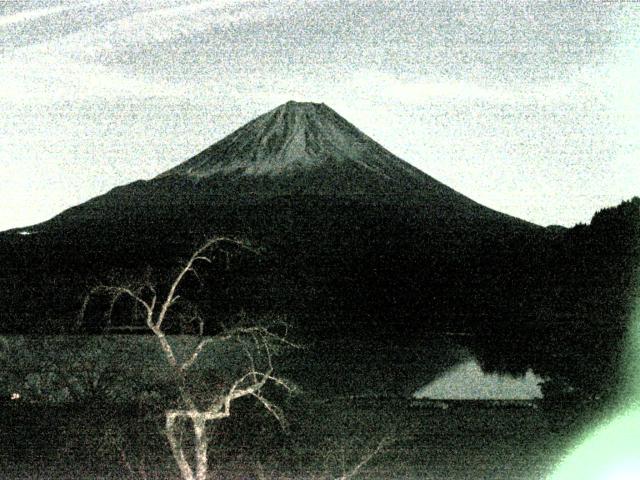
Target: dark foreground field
x,y
464,441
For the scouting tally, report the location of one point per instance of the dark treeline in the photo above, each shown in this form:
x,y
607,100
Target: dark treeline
x,y
574,301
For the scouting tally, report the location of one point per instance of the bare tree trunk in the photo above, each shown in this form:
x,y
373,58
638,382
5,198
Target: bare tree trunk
x,y
176,447
199,420
200,427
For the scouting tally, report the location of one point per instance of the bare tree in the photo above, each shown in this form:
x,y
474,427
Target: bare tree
x,y
256,342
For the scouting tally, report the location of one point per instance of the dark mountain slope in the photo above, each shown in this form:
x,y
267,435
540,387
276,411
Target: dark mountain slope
x,y
334,211
297,149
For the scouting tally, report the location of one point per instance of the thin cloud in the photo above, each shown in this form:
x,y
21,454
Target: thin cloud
x,y
196,8
158,25
38,13
27,15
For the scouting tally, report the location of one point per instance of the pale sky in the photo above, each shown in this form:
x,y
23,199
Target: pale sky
x,y
531,108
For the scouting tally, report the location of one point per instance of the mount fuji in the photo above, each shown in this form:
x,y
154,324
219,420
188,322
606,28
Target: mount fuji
x,y
356,246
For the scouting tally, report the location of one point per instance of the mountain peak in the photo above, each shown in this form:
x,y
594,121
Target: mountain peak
x,y
309,147
282,139
294,106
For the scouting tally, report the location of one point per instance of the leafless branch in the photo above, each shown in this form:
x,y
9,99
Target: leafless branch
x,y
189,267
366,459
194,356
272,409
116,293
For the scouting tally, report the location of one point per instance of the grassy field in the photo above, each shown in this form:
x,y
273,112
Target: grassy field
x,y
324,440
92,407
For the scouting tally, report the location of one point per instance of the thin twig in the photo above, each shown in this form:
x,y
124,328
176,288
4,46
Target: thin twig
x,y
366,459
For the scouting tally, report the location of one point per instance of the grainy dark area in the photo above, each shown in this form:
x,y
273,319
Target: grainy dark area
x,y
451,295
466,441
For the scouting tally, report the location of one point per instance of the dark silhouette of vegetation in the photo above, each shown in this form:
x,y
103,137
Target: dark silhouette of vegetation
x,y
575,300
